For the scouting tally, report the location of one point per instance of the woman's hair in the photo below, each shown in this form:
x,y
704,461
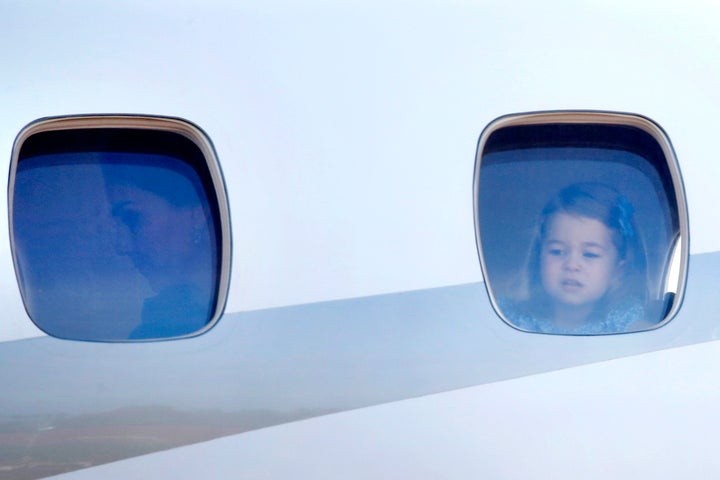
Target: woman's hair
x,y
603,203
167,177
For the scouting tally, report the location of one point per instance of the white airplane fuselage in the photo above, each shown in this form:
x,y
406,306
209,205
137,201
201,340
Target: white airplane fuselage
x,y
358,339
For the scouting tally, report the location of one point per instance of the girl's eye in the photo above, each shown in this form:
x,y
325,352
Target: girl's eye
x,y
556,252
591,255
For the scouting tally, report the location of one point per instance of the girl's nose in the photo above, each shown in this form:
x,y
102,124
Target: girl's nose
x,y
572,262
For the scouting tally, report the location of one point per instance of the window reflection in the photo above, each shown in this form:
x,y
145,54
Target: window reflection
x,y
164,228
114,245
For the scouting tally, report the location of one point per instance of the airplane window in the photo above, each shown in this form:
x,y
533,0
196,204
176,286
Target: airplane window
x,y
578,216
117,233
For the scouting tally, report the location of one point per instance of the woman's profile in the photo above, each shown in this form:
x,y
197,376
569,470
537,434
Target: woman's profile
x,y
163,225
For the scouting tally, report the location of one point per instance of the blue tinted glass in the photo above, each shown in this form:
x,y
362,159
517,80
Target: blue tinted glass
x,y
576,240
114,245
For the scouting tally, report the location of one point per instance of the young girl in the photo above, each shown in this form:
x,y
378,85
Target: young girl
x,y
586,271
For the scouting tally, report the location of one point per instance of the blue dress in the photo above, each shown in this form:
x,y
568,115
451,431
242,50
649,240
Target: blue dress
x,y
618,320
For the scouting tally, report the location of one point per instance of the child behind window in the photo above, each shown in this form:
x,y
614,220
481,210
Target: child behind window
x,y
586,270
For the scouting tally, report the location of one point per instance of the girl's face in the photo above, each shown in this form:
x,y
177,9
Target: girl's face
x,y
578,260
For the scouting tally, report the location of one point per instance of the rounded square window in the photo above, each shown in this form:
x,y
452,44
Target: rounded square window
x,y
119,227
581,223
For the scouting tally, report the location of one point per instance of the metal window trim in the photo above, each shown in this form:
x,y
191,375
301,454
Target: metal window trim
x,y
589,117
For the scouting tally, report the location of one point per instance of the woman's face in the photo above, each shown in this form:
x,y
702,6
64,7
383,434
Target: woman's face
x,y
161,239
578,260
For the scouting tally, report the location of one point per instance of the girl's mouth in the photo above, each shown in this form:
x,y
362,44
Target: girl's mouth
x,y
571,284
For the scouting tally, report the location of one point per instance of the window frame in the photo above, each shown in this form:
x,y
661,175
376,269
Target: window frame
x,y
147,123
589,118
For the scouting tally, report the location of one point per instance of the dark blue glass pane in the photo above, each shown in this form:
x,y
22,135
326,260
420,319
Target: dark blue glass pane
x,y
576,240
114,245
